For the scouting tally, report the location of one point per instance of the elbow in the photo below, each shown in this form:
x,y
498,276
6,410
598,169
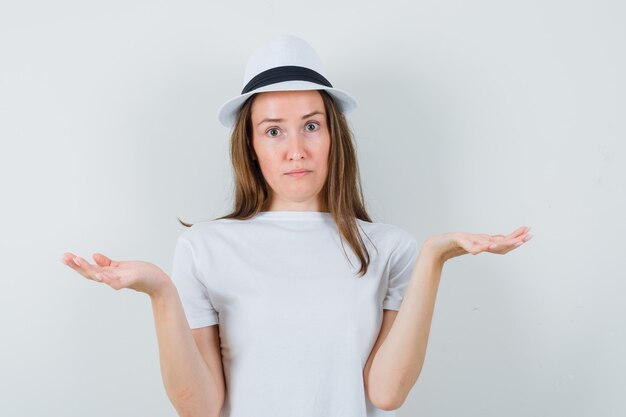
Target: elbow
x,y
390,390
390,397
387,405
383,402
190,403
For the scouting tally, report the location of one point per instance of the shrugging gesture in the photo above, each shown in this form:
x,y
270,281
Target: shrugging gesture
x,y
137,275
453,244
398,355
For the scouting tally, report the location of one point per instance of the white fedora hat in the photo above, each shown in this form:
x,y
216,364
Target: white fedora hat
x,y
283,63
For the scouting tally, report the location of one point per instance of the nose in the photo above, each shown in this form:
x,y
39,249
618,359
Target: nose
x,y
296,149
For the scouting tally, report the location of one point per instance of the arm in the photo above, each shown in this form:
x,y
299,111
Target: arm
x,y
397,358
193,387
398,355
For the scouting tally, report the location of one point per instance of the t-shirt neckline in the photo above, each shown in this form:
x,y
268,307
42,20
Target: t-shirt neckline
x,y
294,215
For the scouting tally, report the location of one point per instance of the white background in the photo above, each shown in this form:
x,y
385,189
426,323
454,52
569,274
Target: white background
x,y
480,116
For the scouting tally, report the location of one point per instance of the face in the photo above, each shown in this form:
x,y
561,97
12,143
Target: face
x,y
290,132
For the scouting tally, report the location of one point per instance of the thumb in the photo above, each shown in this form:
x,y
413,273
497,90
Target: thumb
x,y
103,260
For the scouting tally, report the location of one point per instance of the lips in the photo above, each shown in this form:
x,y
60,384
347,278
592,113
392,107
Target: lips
x,y
296,171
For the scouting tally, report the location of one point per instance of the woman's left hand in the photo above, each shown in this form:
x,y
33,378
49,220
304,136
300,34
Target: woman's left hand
x,y
449,245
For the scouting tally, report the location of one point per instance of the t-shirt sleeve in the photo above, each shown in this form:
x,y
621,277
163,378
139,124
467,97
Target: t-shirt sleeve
x,y
192,291
401,263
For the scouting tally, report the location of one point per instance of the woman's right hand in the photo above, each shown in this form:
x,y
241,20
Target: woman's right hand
x,y
137,275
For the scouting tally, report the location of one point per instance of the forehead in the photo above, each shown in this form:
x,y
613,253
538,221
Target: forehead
x,y
274,103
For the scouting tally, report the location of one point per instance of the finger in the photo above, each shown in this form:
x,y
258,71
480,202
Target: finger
x,y
81,266
521,240
67,259
518,232
494,240
491,239
500,245
508,246
101,259
71,260
88,270
112,279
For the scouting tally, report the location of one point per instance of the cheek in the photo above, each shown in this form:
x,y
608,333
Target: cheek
x,y
324,153
268,162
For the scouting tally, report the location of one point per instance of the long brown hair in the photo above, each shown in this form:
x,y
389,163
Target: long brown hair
x,y
341,194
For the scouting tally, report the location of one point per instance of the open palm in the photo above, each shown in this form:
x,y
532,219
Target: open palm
x,y
453,244
137,275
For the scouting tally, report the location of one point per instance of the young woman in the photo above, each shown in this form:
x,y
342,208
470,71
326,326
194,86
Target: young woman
x,y
295,303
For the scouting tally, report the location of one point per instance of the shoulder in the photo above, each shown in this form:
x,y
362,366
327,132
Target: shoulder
x,y
202,230
388,233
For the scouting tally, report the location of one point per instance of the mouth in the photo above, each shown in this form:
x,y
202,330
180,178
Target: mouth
x,y
298,173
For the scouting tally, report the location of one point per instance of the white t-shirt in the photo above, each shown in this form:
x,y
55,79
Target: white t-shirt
x,y
296,323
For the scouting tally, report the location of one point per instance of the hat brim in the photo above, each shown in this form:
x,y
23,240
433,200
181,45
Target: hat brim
x,y
227,113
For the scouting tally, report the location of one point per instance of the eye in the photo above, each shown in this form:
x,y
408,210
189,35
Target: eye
x,y
270,130
312,123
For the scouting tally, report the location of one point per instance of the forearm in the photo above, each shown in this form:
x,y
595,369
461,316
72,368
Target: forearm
x,y
398,362
188,381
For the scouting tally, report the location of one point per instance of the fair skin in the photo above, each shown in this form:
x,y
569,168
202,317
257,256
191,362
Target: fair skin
x,y
289,131
301,139
396,360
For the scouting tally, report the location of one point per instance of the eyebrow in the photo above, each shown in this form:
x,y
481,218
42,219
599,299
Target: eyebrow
x,y
280,120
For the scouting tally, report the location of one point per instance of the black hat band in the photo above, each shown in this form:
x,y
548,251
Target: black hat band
x,y
285,73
